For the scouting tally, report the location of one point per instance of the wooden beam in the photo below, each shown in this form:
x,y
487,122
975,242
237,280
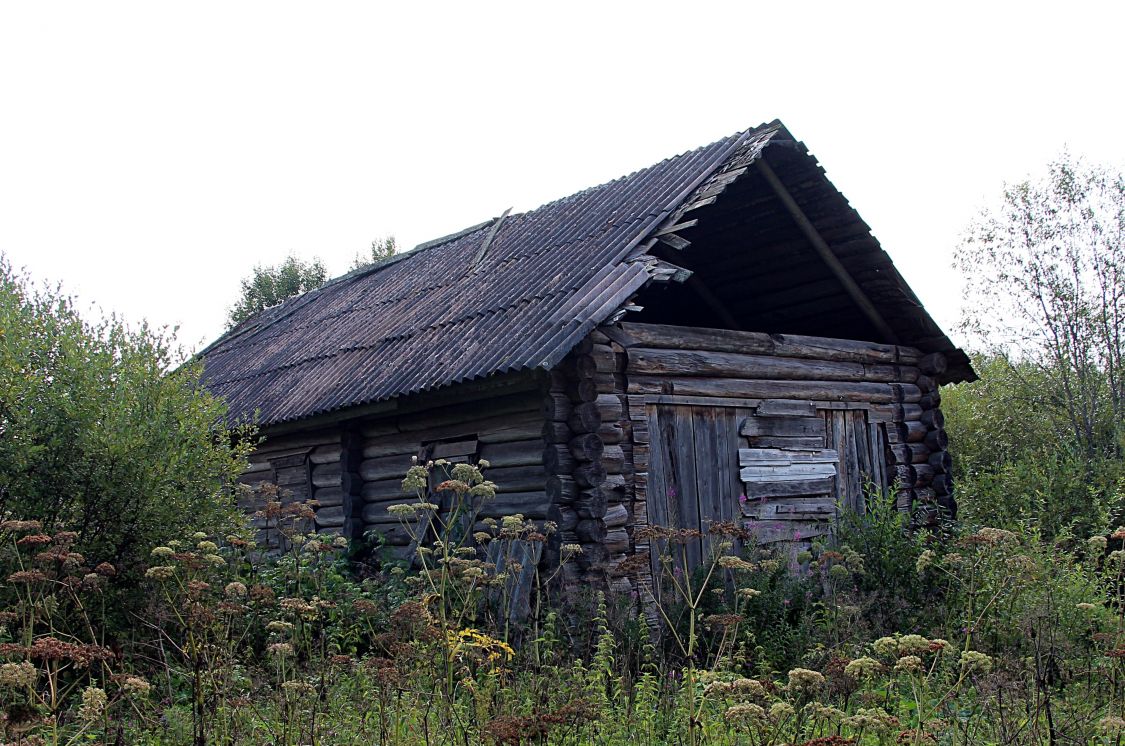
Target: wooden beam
x,y
825,252
712,302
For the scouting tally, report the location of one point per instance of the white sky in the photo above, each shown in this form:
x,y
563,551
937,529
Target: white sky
x,y
152,153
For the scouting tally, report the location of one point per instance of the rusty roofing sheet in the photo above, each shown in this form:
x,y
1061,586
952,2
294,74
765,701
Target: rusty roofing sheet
x,y
431,317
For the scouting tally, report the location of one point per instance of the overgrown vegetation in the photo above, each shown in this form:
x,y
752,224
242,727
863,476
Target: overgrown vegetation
x,y
1017,642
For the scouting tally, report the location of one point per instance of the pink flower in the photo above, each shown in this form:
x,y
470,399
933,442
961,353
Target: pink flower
x,y
742,499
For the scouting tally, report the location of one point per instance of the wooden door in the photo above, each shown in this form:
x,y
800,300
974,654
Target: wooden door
x,y
783,469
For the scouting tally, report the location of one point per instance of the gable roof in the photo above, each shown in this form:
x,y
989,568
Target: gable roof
x,y
513,293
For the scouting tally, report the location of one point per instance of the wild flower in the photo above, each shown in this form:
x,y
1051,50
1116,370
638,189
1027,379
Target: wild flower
x,y
235,589
34,540
730,562
486,490
913,645
747,593
803,680
1112,725
925,559
862,668
886,647
340,542
27,576
746,714
466,473
280,626
1088,607
207,546
780,711
973,661
1097,544
135,686
105,569
297,688
876,719
910,664
199,536
93,705
18,526
749,688
417,479
18,675
839,572
280,650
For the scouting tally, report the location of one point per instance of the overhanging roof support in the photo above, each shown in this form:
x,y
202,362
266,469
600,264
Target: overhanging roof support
x,y
825,253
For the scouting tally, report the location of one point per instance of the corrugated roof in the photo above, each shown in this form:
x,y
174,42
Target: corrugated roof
x,y
436,315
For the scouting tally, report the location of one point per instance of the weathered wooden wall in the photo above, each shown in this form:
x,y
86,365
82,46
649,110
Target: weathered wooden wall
x,y
354,466
772,415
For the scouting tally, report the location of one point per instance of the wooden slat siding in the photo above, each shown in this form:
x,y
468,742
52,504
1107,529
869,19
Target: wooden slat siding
x,y
351,483
659,508
707,458
685,469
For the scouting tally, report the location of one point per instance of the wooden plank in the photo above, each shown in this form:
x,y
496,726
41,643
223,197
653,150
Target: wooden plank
x,y
460,450
708,490
663,362
786,408
686,496
771,441
858,431
774,456
792,488
772,532
819,508
656,496
803,427
793,472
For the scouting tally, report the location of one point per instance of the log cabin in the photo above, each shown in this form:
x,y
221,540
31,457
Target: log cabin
x,y
718,337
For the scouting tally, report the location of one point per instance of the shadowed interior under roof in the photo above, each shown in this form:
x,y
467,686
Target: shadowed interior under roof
x,y
519,292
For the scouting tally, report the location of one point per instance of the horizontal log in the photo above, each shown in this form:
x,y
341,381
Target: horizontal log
x,y
567,518
615,483
590,530
781,457
923,475
330,516
786,345
513,453
831,391
400,445
613,459
904,474
591,503
557,406
586,447
925,384
276,445
925,495
617,540
941,461
611,433
605,360
585,418
385,489
684,362
462,449
590,474
584,390
557,459
329,496
896,412
561,489
937,440
486,426
909,453
518,478
616,516
527,504
933,418
326,475
911,432
556,432
593,555
325,454
385,467
931,400
495,411
610,408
